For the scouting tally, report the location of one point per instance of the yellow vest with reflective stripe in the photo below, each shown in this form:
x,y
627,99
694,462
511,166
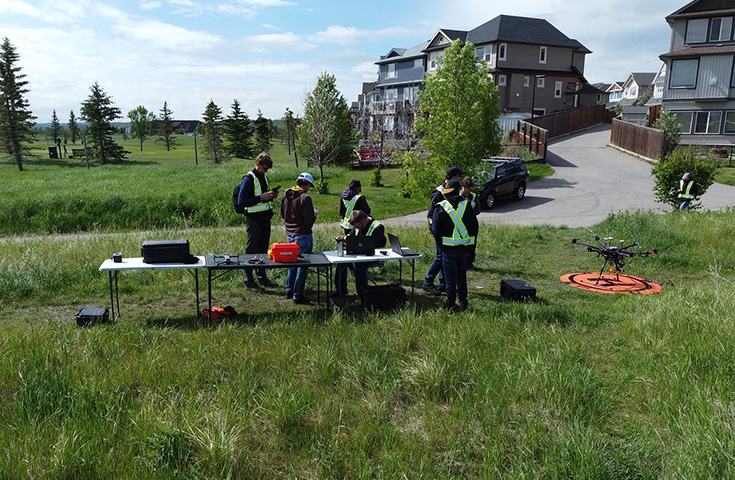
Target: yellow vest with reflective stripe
x,y
349,208
262,206
686,194
459,233
372,227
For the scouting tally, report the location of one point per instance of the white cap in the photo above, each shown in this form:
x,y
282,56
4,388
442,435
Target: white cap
x,y
306,176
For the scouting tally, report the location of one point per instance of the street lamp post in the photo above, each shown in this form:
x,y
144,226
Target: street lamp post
x,y
533,96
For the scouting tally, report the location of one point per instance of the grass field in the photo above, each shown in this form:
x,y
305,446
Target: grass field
x,y
573,385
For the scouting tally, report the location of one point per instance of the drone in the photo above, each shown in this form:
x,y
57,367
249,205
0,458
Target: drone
x,y
613,255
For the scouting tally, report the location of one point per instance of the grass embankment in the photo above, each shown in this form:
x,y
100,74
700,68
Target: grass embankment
x,y
157,189
574,385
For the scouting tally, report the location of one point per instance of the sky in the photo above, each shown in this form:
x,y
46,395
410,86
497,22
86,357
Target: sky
x,y
267,54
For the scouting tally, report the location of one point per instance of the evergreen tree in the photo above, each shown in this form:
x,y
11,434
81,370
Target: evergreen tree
x,y
324,135
166,132
263,133
55,130
73,127
239,132
211,129
99,112
16,120
141,123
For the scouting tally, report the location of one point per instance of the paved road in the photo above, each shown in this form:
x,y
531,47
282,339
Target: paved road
x,y
591,181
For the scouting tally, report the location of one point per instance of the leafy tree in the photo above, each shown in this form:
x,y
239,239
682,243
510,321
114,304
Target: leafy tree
x,y
668,122
324,136
697,160
16,120
239,133
263,133
141,123
73,127
166,131
459,110
99,112
211,129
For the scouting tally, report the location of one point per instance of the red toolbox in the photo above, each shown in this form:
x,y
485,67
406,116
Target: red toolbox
x,y
284,252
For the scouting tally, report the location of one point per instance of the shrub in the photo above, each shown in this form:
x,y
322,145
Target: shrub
x,y
376,178
419,177
322,186
683,159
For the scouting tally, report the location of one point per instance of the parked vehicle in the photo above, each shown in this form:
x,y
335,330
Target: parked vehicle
x,y
503,177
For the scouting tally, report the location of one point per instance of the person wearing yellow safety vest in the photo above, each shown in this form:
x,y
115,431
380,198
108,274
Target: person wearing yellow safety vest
x,y
352,199
455,226
467,193
453,173
257,198
364,225
687,190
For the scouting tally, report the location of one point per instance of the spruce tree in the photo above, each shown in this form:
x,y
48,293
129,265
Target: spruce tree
x,y
239,133
263,133
99,112
166,131
55,130
211,129
73,127
16,120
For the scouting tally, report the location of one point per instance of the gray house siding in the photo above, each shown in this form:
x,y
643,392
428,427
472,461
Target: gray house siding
x,y
713,80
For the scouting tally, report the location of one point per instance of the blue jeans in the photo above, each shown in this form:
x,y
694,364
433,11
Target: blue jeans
x,y
684,204
435,268
296,280
455,261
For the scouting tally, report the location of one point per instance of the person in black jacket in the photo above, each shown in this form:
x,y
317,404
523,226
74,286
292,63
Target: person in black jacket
x,y
352,199
257,199
363,225
467,193
455,227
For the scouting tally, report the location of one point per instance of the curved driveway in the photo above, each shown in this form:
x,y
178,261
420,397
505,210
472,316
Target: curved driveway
x,y
591,181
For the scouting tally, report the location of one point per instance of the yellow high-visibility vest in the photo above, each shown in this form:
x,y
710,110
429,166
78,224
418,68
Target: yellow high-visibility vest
x,y
349,208
262,206
460,236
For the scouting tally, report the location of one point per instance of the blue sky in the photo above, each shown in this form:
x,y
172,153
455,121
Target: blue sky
x,y
268,53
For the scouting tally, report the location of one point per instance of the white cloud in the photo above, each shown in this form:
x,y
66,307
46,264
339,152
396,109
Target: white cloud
x,y
273,41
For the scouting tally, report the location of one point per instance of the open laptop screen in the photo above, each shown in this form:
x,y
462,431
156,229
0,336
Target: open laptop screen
x,y
360,245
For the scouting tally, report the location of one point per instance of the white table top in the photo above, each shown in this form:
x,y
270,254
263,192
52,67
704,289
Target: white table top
x,y
136,263
378,257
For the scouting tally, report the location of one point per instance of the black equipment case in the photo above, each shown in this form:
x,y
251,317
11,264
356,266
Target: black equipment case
x,y
167,251
517,290
383,297
92,316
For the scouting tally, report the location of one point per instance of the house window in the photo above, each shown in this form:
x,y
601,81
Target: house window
x,y
729,122
542,54
697,30
684,73
732,79
502,52
391,70
433,60
707,122
526,81
388,123
502,80
720,29
684,121
391,95
633,91
557,89
418,63
540,82
659,90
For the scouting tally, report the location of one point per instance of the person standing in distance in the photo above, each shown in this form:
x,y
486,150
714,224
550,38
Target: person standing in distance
x,y
257,199
352,199
455,227
687,190
453,173
467,193
299,215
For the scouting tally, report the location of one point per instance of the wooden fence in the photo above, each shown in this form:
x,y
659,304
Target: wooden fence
x,y
645,141
572,120
535,139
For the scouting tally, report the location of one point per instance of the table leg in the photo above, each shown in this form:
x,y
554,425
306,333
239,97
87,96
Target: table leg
x,y
196,282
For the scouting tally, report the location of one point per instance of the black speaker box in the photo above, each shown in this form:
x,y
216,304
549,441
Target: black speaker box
x,y
383,297
517,290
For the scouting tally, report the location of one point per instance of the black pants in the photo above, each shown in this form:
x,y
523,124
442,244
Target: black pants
x,y
258,241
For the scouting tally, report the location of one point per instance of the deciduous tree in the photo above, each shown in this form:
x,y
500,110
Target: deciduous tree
x,y
99,112
459,110
324,135
239,133
141,123
16,119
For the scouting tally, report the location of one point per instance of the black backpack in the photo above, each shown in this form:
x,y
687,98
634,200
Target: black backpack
x,y
235,195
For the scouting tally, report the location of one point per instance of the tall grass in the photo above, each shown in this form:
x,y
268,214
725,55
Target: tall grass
x,y
574,385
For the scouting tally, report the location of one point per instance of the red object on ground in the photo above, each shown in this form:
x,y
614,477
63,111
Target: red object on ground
x,y
611,283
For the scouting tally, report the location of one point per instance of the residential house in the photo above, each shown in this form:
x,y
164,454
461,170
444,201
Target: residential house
x,y
637,90
654,103
701,63
615,93
535,66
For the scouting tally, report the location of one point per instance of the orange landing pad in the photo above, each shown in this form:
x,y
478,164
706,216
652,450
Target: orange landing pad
x,y
611,283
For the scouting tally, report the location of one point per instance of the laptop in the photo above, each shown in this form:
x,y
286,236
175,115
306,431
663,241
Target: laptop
x,y
360,245
395,245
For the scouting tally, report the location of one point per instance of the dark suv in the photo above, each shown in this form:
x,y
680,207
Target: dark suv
x,y
503,176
